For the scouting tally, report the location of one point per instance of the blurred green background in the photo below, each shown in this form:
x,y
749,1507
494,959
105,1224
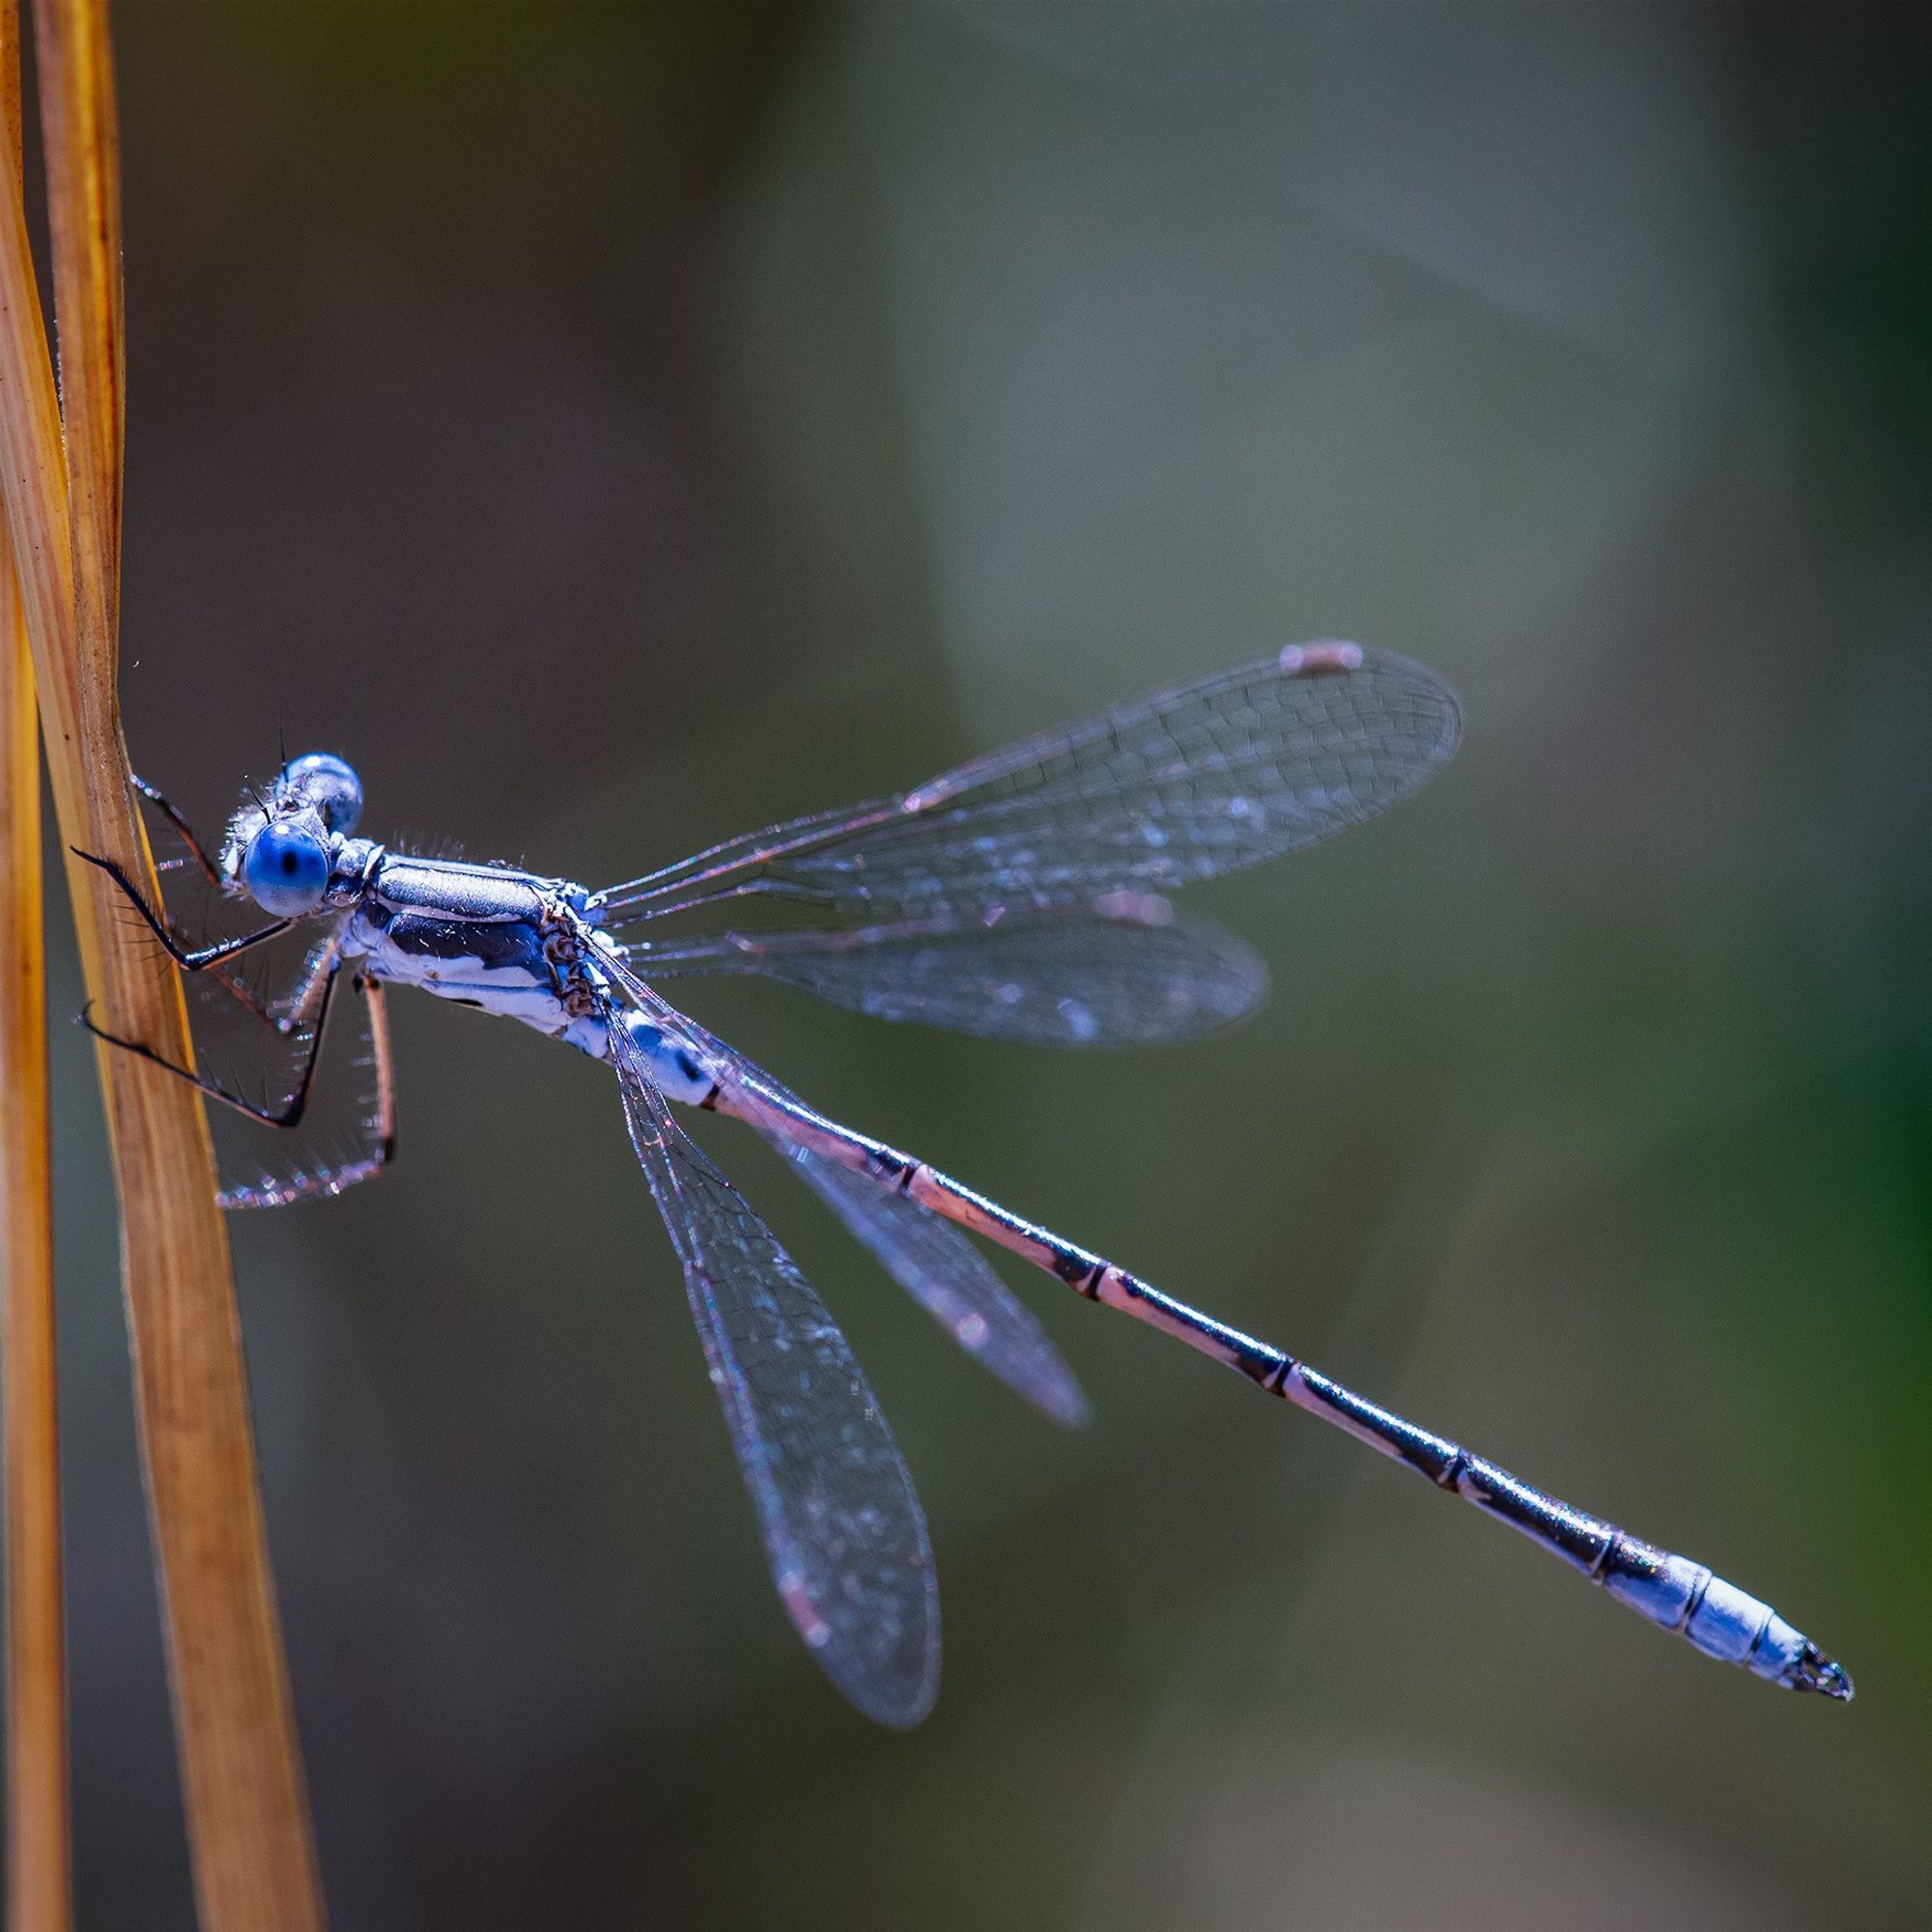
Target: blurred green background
x,y
615,428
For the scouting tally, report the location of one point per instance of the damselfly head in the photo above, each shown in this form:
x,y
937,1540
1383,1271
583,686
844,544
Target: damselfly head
x,y
280,847
285,870
328,783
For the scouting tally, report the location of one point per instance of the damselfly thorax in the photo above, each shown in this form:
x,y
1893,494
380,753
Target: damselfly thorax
x,y
485,936
1021,896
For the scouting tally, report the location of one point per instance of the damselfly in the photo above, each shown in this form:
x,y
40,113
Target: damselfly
x,y
1021,896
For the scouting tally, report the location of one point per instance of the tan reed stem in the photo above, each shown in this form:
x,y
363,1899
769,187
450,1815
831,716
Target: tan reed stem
x,y
253,1860
40,1861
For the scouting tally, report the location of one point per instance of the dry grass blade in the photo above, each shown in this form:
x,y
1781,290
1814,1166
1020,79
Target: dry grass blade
x,y
247,1817
40,1877
40,1863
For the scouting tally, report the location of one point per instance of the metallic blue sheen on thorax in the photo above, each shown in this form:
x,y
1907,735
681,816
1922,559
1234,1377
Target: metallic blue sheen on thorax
x,y
503,941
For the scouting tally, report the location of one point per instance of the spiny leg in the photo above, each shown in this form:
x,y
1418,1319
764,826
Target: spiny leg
x,y
196,850
333,1181
288,1114
309,1006
188,961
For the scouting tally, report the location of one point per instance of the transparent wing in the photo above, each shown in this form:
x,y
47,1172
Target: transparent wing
x,y
931,1261
1134,980
841,1526
950,1279
1197,780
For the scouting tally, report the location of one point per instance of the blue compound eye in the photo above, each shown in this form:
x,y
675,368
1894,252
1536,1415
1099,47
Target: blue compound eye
x,y
286,871
328,783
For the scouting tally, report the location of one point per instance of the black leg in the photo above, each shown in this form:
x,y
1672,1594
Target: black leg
x,y
188,962
326,1181
181,825
288,1114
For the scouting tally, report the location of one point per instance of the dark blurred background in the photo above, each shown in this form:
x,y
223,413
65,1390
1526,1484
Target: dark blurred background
x,y
617,427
